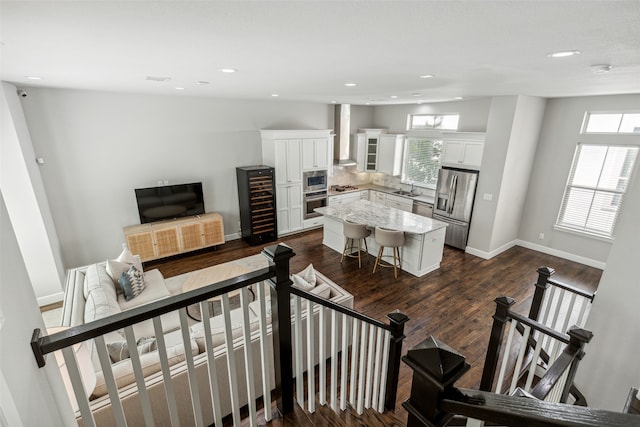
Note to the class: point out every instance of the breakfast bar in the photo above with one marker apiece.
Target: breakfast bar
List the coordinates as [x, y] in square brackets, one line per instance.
[424, 237]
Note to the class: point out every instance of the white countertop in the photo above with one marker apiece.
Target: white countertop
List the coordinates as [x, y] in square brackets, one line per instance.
[374, 215]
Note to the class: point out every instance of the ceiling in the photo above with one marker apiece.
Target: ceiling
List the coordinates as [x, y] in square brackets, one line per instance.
[308, 50]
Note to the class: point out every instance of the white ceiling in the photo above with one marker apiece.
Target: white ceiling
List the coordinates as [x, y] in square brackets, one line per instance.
[307, 50]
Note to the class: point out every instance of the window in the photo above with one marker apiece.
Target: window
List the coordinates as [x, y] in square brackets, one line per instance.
[433, 121]
[421, 161]
[612, 123]
[595, 188]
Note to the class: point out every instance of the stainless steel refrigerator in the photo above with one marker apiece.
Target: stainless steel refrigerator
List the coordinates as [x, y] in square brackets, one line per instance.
[455, 192]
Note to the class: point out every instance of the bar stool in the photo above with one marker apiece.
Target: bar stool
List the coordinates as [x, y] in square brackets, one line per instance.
[386, 238]
[353, 231]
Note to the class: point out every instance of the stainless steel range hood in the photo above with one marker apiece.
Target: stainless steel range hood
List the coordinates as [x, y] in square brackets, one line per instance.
[341, 147]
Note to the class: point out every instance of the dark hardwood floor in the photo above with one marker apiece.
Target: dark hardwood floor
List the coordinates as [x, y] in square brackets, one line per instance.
[454, 303]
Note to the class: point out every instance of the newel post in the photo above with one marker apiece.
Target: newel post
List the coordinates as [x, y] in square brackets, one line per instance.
[544, 273]
[578, 338]
[280, 255]
[436, 367]
[500, 319]
[396, 321]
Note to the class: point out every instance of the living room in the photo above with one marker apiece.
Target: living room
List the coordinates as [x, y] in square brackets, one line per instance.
[98, 146]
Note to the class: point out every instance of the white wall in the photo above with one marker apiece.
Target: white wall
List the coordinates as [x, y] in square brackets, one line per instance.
[27, 203]
[99, 146]
[30, 395]
[559, 136]
[517, 170]
[473, 114]
[610, 367]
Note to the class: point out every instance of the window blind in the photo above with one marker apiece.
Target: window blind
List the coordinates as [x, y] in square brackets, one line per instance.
[422, 161]
[596, 186]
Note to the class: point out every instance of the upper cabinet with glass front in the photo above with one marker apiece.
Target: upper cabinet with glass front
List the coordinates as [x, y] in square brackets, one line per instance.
[367, 147]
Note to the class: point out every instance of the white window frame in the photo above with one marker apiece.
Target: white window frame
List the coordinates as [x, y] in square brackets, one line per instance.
[426, 135]
[410, 125]
[587, 117]
[585, 231]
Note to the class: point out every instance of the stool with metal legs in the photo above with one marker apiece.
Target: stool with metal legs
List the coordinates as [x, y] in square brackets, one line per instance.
[353, 233]
[386, 238]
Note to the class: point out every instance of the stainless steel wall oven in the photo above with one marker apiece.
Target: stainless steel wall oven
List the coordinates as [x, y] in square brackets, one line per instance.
[316, 199]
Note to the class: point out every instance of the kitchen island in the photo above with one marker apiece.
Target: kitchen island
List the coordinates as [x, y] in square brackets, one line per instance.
[424, 237]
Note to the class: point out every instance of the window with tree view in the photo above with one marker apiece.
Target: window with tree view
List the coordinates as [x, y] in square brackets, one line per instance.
[422, 161]
[596, 186]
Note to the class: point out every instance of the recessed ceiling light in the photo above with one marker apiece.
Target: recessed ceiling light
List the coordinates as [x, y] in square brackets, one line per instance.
[426, 76]
[201, 83]
[564, 53]
[157, 78]
[333, 102]
[179, 88]
[34, 78]
[600, 68]
[458, 97]
[228, 70]
[416, 94]
[350, 84]
[275, 95]
[393, 96]
[367, 103]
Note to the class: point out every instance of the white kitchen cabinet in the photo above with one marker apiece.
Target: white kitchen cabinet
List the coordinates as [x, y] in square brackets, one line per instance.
[288, 159]
[390, 154]
[462, 149]
[377, 197]
[346, 197]
[398, 202]
[289, 207]
[315, 153]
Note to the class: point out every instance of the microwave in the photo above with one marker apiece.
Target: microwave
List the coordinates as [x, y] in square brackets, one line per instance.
[314, 181]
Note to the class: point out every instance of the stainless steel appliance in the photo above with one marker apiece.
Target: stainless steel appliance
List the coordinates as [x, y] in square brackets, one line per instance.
[316, 199]
[455, 192]
[314, 181]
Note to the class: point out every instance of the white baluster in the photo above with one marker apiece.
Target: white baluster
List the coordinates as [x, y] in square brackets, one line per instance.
[354, 363]
[264, 353]
[505, 358]
[376, 370]
[311, 386]
[363, 354]
[191, 370]
[248, 357]
[138, 375]
[231, 359]
[166, 372]
[78, 388]
[214, 387]
[368, 381]
[343, 365]
[523, 348]
[384, 370]
[322, 339]
[334, 360]
[297, 328]
[110, 381]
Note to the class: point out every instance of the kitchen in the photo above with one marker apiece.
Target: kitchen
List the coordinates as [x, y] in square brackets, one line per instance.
[320, 169]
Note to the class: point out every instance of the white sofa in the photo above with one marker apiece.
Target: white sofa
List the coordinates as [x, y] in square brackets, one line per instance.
[81, 305]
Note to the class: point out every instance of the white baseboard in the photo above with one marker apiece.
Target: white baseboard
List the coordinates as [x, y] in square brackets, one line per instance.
[489, 255]
[538, 248]
[232, 236]
[50, 299]
[562, 254]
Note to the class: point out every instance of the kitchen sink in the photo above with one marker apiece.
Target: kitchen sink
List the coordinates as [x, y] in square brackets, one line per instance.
[404, 193]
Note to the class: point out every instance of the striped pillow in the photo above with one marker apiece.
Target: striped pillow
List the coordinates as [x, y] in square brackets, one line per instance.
[120, 350]
[132, 283]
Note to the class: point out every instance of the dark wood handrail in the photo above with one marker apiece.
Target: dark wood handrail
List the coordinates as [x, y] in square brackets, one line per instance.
[572, 289]
[43, 345]
[434, 399]
[535, 325]
[521, 411]
[339, 308]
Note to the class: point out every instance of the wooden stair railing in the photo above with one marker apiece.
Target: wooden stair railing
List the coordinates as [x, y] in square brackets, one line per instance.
[374, 348]
[434, 399]
[559, 305]
[523, 359]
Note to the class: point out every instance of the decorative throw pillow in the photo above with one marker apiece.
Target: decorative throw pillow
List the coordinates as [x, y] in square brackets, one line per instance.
[132, 283]
[120, 350]
[306, 279]
[115, 267]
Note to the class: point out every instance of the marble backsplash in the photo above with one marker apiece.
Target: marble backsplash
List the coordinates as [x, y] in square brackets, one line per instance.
[348, 175]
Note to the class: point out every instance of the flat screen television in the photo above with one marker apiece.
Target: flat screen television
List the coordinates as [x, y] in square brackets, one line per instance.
[169, 202]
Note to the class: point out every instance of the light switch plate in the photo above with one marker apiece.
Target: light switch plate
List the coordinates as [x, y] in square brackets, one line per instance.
[487, 196]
